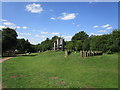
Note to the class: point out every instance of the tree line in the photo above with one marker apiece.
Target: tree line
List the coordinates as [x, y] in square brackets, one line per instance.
[80, 41]
[106, 43]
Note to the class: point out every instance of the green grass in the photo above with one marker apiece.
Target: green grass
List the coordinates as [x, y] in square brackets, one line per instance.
[71, 72]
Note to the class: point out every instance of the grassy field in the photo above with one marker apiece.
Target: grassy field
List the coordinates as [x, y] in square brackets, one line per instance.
[53, 70]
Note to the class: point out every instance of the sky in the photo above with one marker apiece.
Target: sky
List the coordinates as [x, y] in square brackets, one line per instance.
[36, 21]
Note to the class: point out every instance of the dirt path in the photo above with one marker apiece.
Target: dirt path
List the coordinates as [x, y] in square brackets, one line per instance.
[1, 60]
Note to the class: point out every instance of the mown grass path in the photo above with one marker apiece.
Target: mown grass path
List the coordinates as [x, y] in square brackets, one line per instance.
[53, 70]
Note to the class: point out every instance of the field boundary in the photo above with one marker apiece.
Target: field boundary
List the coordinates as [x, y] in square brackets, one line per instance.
[1, 60]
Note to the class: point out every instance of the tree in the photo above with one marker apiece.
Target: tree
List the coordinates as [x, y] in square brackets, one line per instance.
[46, 45]
[114, 41]
[9, 39]
[100, 42]
[95, 43]
[70, 46]
[86, 44]
[1, 36]
[78, 45]
[23, 46]
[54, 38]
[80, 36]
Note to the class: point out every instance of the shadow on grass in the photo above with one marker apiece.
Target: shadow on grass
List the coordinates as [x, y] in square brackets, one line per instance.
[25, 55]
[29, 55]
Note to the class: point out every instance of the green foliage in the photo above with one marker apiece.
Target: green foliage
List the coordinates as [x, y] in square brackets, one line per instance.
[78, 45]
[81, 41]
[115, 41]
[47, 44]
[9, 39]
[86, 44]
[54, 38]
[80, 36]
[23, 46]
[0, 42]
[70, 46]
[109, 52]
[99, 43]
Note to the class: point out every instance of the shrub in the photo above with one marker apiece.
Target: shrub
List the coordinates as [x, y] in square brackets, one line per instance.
[109, 52]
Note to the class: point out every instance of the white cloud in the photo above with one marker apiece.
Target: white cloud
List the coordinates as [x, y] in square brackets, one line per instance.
[37, 35]
[3, 20]
[53, 18]
[95, 34]
[13, 27]
[24, 27]
[73, 23]
[109, 28]
[104, 26]
[95, 26]
[55, 33]
[34, 8]
[41, 36]
[17, 32]
[19, 37]
[8, 23]
[18, 27]
[44, 32]
[78, 25]
[2, 27]
[67, 38]
[93, 1]
[102, 31]
[67, 16]
[25, 33]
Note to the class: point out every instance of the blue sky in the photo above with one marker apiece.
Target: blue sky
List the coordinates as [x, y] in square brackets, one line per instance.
[36, 21]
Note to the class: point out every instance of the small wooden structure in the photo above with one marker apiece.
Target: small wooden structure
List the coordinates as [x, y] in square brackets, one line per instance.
[59, 44]
[90, 53]
[67, 53]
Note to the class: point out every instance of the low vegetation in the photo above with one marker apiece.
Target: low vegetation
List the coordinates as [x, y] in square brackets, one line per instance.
[52, 70]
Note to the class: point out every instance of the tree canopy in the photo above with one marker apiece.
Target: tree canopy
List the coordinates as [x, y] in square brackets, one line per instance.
[9, 39]
[80, 36]
[80, 41]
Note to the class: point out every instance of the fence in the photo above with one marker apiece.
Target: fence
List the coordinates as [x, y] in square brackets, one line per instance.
[90, 53]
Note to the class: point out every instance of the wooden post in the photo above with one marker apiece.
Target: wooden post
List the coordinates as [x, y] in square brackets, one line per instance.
[81, 53]
[88, 53]
[66, 54]
[84, 53]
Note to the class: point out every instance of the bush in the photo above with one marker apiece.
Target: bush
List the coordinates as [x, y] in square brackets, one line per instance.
[109, 52]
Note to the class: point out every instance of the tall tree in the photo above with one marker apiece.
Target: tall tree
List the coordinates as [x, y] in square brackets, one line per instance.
[9, 39]
[86, 44]
[23, 46]
[115, 40]
[70, 46]
[78, 45]
[54, 38]
[80, 36]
